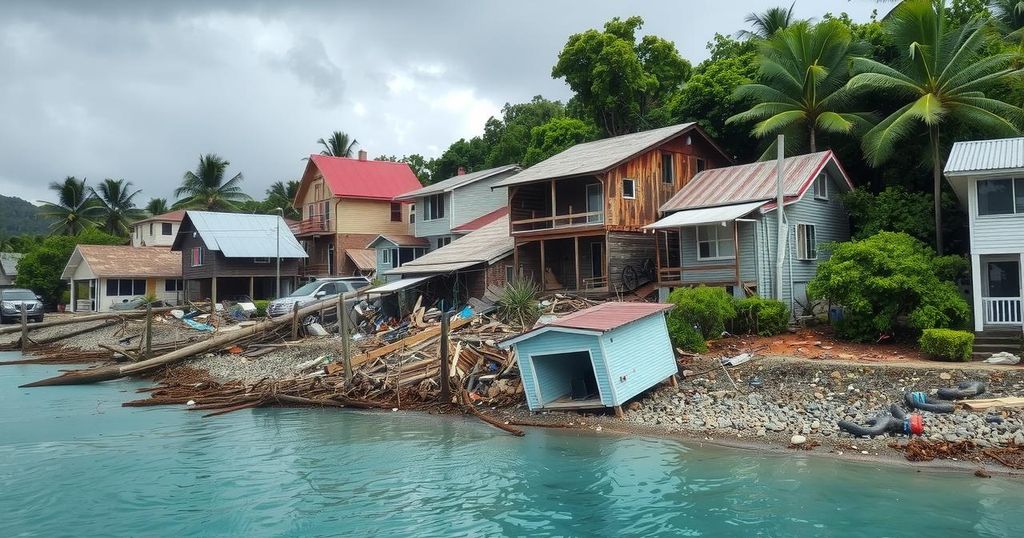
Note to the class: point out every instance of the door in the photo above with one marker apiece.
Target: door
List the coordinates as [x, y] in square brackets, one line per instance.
[330, 258]
[595, 203]
[1003, 279]
[597, 259]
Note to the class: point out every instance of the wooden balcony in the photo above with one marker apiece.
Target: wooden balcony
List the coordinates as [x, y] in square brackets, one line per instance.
[316, 225]
[557, 222]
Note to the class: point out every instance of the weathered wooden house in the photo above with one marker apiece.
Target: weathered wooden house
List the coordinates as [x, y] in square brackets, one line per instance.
[346, 203]
[722, 228]
[577, 218]
[101, 276]
[988, 178]
[443, 209]
[599, 357]
[235, 254]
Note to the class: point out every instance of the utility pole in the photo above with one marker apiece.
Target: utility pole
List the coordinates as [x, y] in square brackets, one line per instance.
[277, 239]
[780, 245]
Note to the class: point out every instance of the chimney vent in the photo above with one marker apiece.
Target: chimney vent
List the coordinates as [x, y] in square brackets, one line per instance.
[462, 171]
[362, 155]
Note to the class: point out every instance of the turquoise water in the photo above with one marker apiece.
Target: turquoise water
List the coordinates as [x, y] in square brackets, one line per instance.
[75, 463]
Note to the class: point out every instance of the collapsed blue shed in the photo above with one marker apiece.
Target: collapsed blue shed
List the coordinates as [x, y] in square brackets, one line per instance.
[594, 358]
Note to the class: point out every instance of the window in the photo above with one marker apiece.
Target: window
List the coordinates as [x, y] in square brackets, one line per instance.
[628, 188]
[172, 285]
[197, 256]
[165, 229]
[261, 260]
[1000, 196]
[435, 207]
[412, 214]
[396, 212]
[125, 287]
[510, 273]
[668, 168]
[151, 228]
[715, 242]
[701, 165]
[821, 187]
[806, 248]
[385, 256]
[442, 241]
[310, 211]
[395, 260]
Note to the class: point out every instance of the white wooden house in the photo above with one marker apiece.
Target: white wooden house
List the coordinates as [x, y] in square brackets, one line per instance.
[988, 178]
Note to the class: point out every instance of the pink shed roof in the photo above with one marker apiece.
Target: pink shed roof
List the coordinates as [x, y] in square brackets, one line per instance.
[754, 182]
[601, 319]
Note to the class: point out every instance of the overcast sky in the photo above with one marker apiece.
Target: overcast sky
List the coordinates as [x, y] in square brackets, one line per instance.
[138, 90]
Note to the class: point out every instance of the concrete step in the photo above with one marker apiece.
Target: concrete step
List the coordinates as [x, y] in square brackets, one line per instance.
[996, 348]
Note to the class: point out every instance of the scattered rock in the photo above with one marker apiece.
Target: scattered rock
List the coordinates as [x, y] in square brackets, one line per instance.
[634, 406]
[945, 376]
[797, 440]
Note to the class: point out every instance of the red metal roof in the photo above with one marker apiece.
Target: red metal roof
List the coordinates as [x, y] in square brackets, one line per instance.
[353, 178]
[752, 182]
[607, 316]
[480, 222]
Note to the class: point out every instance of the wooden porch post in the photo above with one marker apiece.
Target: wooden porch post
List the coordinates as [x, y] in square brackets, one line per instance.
[72, 305]
[213, 294]
[515, 258]
[543, 274]
[252, 287]
[576, 260]
[554, 206]
[736, 247]
[657, 256]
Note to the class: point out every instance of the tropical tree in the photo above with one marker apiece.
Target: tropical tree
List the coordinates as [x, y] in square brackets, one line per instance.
[769, 22]
[281, 194]
[338, 145]
[1009, 14]
[942, 77]
[803, 71]
[116, 206]
[75, 209]
[206, 189]
[157, 206]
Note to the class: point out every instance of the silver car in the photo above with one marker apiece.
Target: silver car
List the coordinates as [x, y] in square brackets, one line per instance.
[316, 290]
[11, 301]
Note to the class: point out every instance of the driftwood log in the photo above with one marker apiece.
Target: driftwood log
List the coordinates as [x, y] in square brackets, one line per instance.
[125, 314]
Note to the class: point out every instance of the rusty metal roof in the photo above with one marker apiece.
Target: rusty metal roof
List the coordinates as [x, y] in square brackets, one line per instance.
[754, 182]
[486, 245]
[365, 259]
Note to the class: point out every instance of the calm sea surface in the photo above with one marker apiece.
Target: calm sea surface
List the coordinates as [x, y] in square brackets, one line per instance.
[73, 462]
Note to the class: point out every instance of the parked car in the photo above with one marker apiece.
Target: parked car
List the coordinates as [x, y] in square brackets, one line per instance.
[137, 303]
[10, 305]
[317, 290]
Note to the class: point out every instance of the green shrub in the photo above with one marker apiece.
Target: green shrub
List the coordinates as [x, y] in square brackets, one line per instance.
[518, 303]
[947, 344]
[701, 310]
[764, 317]
[65, 297]
[261, 307]
[884, 278]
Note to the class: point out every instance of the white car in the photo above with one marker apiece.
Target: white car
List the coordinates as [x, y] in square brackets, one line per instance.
[316, 290]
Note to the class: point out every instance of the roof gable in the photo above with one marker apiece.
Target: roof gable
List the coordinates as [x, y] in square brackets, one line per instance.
[605, 154]
[399, 241]
[354, 178]
[240, 235]
[756, 182]
[455, 182]
[482, 220]
[124, 261]
[170, 216]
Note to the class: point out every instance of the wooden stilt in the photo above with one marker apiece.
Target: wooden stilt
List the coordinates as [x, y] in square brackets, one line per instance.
[673, 380]
[618, 412]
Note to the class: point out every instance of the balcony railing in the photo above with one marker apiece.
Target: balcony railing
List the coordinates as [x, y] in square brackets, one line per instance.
[558, 221]
[312, 225]
[1002, 310]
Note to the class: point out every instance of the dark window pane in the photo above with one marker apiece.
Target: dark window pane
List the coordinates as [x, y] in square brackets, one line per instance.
[705, 249]
[1018, 194]
[995, 197]
[111, 288]
[140, 287]
[165, 228]
[668, 169]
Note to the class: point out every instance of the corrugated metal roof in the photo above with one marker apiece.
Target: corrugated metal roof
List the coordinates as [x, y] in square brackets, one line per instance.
[482, 221]
[986, 155]
[458, 181]
[754, 181]
[400, 240]
[353, 178]
[365, 259]
[597, 156]
[705, 215]
[241, 235]
[9, 263]
[607, 316]
[485, 245]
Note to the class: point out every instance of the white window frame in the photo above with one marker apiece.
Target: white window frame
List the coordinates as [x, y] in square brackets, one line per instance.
[806, 242]
[632, 182]
[510, 273]
[412, 214]
[429, 207]
[385, 256]
[719, 230]
[1013, 197]
[821, 187]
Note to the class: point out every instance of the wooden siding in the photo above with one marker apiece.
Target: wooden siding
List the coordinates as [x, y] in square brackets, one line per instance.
[437, 227]
[356, 216]
[478, 199]
[625, 248]
[639, 356]
[215, 264]
[553, 342]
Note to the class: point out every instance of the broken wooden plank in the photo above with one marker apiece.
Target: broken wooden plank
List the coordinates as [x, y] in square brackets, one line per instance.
[363, 358]
[981, 405]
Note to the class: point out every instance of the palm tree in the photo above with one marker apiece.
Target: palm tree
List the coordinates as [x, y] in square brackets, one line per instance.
[338, 145]
[1008, 14]
[769, 22]
[943, 78]
[282, 194]
[206, 189]
[157, 206]
[117, 206]
[75, 210]
[803, 71]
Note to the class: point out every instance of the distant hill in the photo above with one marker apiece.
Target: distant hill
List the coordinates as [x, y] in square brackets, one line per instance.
[19, 217]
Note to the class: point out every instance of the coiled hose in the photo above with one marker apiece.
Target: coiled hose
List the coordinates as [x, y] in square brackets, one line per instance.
[920, 400]
[966, 389]
[896, 422]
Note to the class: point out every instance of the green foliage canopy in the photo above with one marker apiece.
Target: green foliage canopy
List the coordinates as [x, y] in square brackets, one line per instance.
[41, 267]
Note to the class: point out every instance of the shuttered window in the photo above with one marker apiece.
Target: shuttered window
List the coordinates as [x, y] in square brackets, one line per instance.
[806, 245]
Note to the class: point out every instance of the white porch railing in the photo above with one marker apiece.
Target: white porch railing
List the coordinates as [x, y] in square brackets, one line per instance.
[1002, 310]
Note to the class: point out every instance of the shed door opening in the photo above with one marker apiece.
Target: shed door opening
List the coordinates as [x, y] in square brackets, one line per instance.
[566, 378]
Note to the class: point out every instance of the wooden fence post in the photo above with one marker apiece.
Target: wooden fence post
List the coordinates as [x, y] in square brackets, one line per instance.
[24, 327]
[295, 321]
[149, 331]
[446, 390]
[346, 355]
